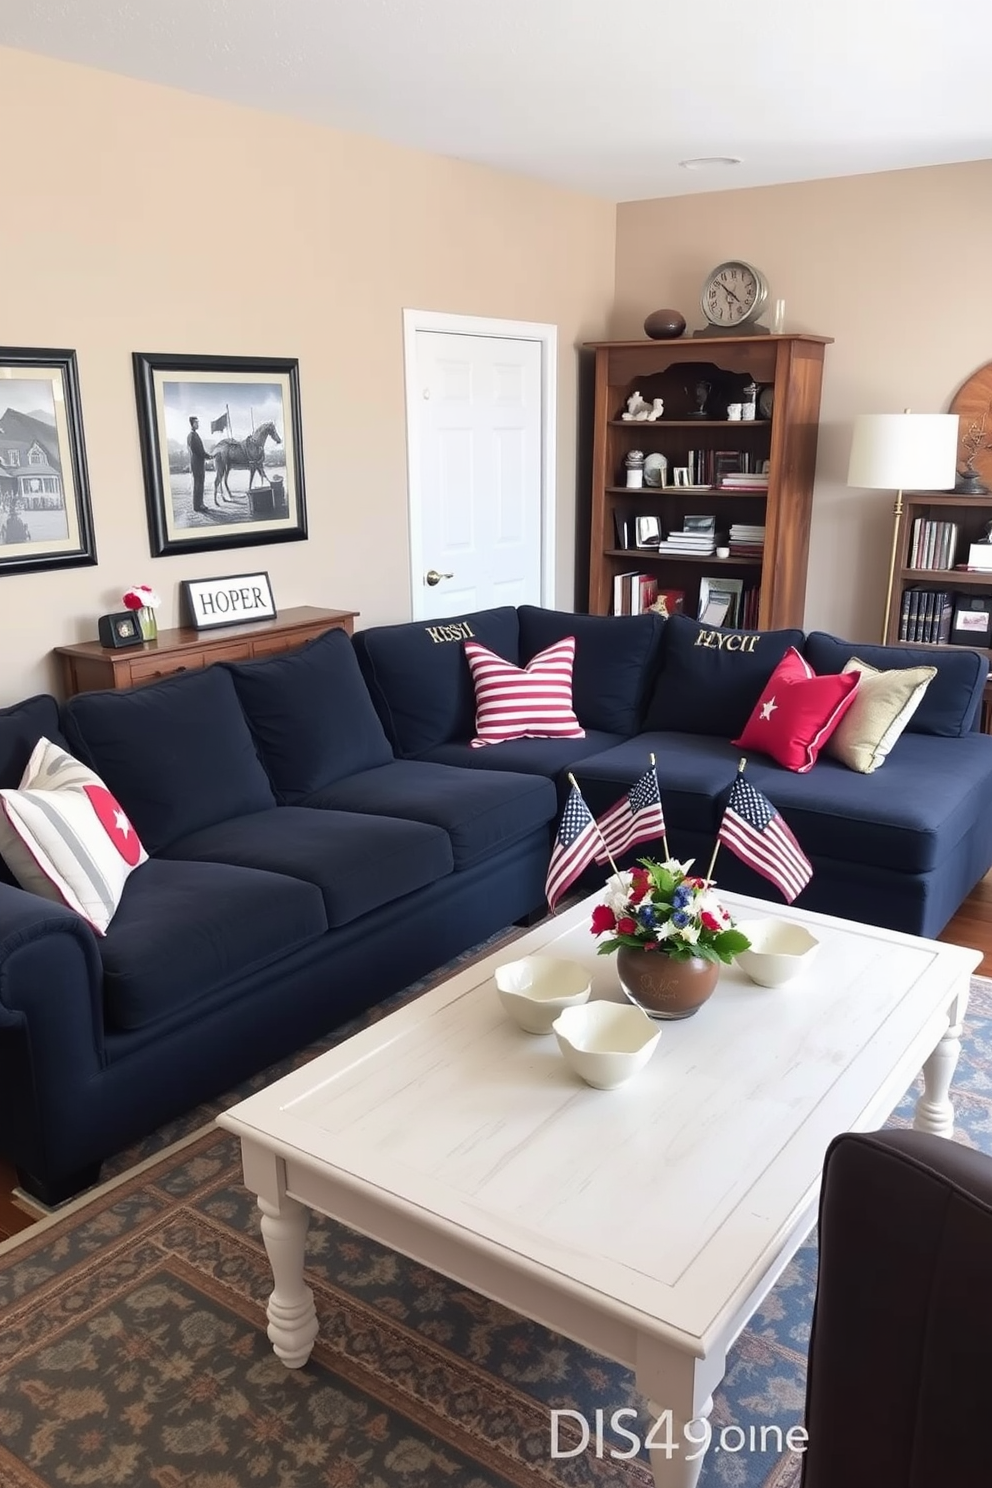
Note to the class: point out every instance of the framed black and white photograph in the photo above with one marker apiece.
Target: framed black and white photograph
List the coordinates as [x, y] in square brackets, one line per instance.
[232, 600]
[45, 515]
[222, 450]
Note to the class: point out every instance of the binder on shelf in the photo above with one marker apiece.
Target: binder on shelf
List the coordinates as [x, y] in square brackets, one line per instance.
[972, 621]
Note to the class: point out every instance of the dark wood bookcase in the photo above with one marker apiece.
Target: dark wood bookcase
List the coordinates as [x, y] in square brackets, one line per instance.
[972, 514]
[791, 367]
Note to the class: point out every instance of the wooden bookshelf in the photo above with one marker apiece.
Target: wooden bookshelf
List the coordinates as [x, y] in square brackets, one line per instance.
[790, 369]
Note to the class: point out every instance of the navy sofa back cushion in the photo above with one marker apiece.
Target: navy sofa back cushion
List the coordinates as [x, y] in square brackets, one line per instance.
[951, 701]
[21, 726]
[419, 679]
[615, 661]
[177, 754]
[710, 679]
[312, 716]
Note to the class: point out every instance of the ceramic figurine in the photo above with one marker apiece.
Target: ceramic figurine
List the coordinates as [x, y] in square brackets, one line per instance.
[657, 409]
[638, 409]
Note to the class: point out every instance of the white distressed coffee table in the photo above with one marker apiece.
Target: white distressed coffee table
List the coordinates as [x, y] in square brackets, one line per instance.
[647, 1222]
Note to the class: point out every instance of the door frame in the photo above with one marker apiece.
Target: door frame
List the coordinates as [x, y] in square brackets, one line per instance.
[513, 330]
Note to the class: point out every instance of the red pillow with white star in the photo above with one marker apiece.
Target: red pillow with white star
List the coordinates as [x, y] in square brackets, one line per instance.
[797, 712]
[65, 837]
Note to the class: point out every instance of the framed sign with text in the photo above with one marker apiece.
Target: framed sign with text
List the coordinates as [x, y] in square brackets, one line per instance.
[233, 600]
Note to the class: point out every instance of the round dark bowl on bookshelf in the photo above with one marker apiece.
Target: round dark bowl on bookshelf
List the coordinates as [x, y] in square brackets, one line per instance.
[664, 325]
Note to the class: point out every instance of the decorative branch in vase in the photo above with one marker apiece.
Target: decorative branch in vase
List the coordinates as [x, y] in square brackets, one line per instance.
[969, 482]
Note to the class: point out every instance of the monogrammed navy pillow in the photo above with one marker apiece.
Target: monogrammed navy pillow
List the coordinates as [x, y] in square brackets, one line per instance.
[710, 678]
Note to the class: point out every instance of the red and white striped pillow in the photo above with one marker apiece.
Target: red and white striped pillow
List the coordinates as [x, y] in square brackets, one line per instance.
[533, 702]
[65, 837]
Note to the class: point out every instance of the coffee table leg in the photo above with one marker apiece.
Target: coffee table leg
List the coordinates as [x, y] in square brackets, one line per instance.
[675, 1442]
[934, 1111]
[291, 1313]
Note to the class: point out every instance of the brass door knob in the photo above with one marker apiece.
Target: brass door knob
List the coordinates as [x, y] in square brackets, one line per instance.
[433, 577]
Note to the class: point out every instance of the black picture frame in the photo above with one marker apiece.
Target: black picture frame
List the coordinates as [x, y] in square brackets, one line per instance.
[230, 394]
[46, 520]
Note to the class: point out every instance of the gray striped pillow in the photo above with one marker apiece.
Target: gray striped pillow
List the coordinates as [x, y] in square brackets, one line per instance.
[65, 837]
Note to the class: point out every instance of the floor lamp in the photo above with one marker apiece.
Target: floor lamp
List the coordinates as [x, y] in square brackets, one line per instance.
[903, 451]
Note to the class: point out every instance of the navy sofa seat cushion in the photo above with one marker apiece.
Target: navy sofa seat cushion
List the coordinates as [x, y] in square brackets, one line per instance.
[359, 863]
[710, 678]
[21, 726]
[419, 679]
[177, 754]
[952, 699]
[186, 930]
[311, 715]
[693, 771]
[548, 757]
[616, 657]
[908, 816]
[482, 811]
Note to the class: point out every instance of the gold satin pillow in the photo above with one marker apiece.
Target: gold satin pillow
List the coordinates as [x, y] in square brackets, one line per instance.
[883, 705]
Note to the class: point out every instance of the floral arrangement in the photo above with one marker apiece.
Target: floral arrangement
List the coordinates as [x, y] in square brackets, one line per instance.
[140, 597]
[661, 907]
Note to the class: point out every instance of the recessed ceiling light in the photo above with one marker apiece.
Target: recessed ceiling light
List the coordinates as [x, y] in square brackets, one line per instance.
[703, 162]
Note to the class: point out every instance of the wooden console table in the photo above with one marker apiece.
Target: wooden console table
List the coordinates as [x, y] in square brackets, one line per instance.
[90, 667]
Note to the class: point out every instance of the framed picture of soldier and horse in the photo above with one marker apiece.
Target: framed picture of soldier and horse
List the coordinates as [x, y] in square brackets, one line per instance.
[222, 451]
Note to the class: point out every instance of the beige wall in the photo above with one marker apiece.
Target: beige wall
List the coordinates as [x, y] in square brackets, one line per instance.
[139, 218]
[895, 267]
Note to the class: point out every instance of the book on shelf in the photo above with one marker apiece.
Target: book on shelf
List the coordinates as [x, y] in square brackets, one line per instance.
[926, 617]
[687, 545]
[633, 592]
[932, 544]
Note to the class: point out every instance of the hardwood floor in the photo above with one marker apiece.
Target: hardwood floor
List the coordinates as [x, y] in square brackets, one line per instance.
[971, 926]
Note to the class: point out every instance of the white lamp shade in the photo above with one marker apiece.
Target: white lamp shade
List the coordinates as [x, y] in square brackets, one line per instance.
[900, 451]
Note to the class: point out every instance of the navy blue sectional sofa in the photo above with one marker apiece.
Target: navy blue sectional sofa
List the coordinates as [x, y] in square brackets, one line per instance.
[321, 833]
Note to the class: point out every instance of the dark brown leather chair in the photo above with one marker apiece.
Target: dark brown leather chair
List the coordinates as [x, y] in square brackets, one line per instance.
[899, 1392]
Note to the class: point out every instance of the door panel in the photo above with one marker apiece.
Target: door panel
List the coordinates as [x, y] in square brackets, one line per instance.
[480, 521]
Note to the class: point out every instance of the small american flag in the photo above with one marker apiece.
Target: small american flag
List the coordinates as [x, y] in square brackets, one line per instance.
[575, 848]
[636, 817]
[753, 829]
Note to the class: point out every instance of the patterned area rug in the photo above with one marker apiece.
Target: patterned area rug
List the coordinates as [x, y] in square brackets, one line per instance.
[133, 1351]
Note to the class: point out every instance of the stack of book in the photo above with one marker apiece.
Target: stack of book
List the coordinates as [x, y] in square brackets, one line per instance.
[933, 544]
[633, 593]
[702, 544]
[746, 540]
[926, 617]
[733, 480]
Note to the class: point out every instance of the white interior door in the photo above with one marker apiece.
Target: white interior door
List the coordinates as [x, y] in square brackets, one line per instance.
[477, 471]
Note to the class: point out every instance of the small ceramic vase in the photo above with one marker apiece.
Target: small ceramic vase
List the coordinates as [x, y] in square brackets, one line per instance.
[665, 986]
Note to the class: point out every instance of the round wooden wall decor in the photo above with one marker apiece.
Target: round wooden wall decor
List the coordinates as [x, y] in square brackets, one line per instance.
[973, 402]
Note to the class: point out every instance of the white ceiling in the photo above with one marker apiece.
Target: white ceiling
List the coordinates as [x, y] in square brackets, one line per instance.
[605, 96]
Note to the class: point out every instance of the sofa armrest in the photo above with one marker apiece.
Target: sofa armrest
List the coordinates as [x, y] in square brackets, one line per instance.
[28, 924]
[51, 1019]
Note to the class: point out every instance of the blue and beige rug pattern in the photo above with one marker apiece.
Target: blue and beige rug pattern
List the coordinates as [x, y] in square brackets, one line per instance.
[133, 1351]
